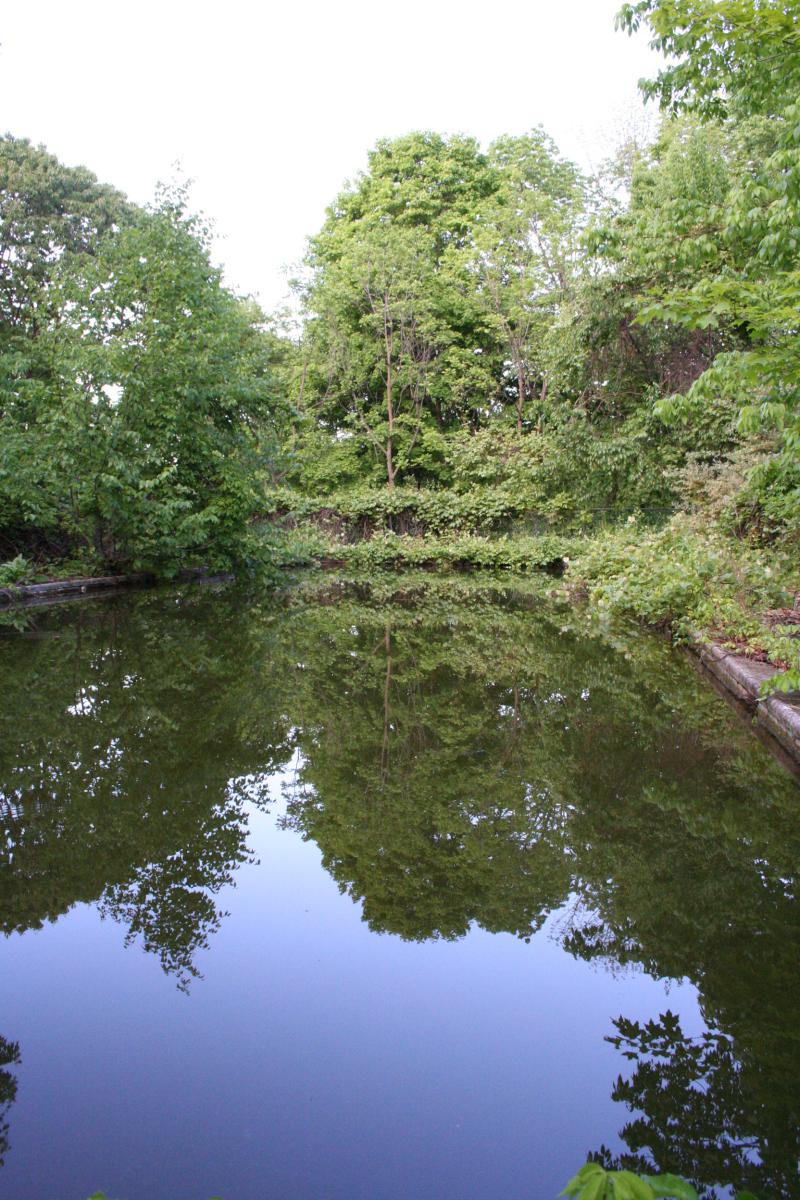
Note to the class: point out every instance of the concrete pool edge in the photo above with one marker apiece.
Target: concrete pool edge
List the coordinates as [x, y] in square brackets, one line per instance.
[778, 714]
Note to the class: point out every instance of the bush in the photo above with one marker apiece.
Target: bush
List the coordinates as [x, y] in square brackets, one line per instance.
[500, 554]
[696, 582]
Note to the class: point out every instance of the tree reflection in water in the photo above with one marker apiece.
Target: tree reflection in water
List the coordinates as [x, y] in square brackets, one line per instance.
[9, 1056]
[710, 1107]
[468, 753]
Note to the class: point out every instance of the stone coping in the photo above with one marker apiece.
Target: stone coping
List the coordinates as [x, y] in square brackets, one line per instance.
[22, 593]
[779, 714]
[33, 593]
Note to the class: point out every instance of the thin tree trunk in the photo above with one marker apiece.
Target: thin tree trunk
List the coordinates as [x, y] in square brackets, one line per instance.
[390, 471]
[520, 394]
[388, 341]
[542, 398]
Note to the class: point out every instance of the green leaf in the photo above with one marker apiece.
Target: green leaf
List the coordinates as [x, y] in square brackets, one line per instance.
[631, 1187]
[671, 1186]
[591, 1170]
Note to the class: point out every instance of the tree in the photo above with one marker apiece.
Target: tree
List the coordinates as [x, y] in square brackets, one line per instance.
[739, 60]
[728, 55]
[177, 372]
[396, 349]
[523, 252]
[137, 408]
[147, 443]
[51, 218]
[381, 363]
[47, 211]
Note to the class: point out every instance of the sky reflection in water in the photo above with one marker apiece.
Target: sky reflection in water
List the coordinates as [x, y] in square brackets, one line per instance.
[494, 784]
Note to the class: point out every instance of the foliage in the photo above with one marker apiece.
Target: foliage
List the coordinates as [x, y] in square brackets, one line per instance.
[569, 477]
[14, 571]
[784, 681]
[694, 581]
[135, 403]
[728, 53]
[363, 512]
[551, 337]
[502, 342]
[594, 1183]
[510, 554]
[740, 60]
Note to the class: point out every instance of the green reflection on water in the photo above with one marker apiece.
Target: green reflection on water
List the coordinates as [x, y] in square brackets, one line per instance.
[465, 753]
[9, 1056]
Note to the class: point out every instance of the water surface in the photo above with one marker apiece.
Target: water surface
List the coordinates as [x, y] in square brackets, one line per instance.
[424, 888]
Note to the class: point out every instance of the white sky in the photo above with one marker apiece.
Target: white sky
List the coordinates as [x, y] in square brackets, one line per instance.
[271, 107]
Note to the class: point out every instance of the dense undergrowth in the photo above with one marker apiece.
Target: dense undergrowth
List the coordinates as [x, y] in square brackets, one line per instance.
[702, 586]
[694, 573]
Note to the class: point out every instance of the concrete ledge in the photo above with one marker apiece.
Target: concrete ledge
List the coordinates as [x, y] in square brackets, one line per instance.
[57, 589]
[742, 677]
[781, 716]
[65, 587]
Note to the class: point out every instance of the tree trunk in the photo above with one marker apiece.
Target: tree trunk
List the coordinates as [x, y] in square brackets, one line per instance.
[542, 398]
[520, 394]
[389, 344]
[390, 469]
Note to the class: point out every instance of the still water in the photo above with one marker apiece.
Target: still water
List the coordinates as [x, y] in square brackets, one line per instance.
[421, 889]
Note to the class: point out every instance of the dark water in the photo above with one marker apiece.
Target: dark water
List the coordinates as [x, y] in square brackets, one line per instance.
[423, 890]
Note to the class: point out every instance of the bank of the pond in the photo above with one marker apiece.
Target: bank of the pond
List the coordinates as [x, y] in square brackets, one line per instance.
[56, 588]
[744, 678]
[59, 589]
[735, 605]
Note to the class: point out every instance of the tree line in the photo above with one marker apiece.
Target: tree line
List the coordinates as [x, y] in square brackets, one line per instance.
[638, 328]
[483, 321]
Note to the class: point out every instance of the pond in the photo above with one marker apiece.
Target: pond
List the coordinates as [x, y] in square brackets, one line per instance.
[423, 888]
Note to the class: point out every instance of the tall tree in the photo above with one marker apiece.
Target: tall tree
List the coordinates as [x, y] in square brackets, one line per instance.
[137, 399]
[378, 365]
[395, 346]
[523, 253]
[165, 378]
[47, 211]
[51, 217]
